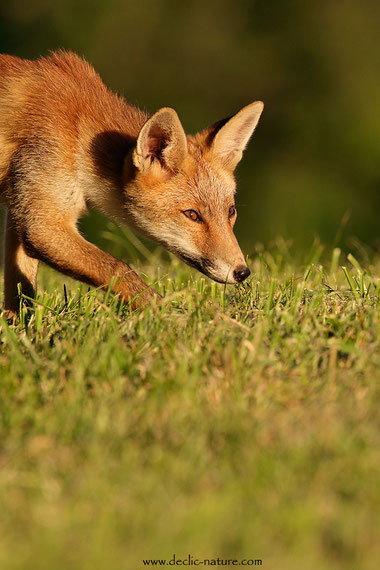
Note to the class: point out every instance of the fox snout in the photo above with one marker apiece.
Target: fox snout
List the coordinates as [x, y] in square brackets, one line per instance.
[230, 274]
[220, 271]
[227, 264]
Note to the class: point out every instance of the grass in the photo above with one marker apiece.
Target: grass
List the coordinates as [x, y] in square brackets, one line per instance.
[228, 422]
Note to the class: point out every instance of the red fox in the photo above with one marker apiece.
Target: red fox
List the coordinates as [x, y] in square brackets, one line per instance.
[67, 142]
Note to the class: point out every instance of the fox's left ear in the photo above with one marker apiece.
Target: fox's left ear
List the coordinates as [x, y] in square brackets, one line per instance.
[228, 138]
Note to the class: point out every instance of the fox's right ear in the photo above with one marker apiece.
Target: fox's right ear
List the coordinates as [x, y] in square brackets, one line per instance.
[161, 140]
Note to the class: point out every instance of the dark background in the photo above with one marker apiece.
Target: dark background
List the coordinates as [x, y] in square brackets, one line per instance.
[315, 157]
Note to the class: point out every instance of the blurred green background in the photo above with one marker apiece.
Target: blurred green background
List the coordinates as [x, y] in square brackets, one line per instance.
[315, 157]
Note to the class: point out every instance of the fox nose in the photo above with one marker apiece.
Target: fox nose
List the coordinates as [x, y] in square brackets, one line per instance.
[241, 273]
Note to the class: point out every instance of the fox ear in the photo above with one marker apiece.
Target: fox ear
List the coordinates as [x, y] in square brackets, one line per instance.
[228, 138]
[161, 139]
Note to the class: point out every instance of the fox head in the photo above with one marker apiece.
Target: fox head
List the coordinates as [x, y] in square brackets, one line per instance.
[182, 190]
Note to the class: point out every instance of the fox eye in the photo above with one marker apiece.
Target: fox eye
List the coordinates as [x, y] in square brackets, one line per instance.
[231, 212]
[193, 215]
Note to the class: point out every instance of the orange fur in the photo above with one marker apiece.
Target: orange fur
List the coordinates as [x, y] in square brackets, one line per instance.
[67, 142]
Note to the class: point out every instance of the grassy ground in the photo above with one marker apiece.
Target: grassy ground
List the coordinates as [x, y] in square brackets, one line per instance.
[245, 425]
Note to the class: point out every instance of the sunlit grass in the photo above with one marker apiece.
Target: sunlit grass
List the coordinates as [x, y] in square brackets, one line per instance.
[227, 421]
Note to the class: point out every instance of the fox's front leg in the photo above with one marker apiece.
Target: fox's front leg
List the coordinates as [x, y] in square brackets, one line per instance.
[19, 267]
[59, 244]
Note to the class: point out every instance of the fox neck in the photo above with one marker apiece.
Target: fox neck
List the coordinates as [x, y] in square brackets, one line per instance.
[109, 169]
